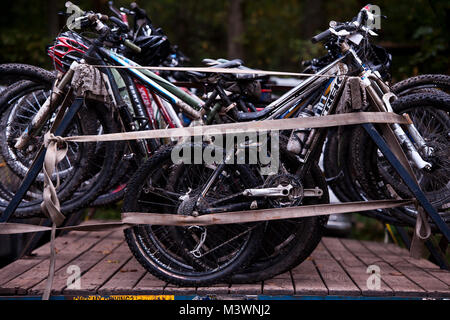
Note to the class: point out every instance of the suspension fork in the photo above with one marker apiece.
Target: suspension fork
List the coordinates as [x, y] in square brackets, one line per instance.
[412, 130]
[167, 111]
[137, 105]
[404, 139]
[383, 104]
[145, 96]
[46, 110]
[136, 118]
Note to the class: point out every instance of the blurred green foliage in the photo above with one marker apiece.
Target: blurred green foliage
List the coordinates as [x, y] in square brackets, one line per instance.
[366, 228]
[416, 32]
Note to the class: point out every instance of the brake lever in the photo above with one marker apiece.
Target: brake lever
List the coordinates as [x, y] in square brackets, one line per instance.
[114, 9]
[340, 33]
[126, 11]
[370, 31]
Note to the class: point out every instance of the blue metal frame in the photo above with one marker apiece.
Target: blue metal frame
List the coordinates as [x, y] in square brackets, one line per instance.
[409, 181]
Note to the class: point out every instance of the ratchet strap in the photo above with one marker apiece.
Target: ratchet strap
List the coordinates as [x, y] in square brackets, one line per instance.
[422, 230]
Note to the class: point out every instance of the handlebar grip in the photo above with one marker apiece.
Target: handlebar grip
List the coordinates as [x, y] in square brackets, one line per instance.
[321, 36]
[132, 46]
[97, 16]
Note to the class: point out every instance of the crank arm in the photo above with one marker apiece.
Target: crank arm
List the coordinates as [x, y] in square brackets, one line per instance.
[255, 204]
[281, 191]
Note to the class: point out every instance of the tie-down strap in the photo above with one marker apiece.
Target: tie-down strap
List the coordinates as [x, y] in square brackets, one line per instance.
[130, 219]
[334, 120]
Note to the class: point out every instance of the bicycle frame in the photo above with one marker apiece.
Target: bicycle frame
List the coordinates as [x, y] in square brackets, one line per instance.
[192, 104]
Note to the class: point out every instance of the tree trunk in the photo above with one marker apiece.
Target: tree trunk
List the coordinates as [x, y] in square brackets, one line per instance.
[235, 30]
[52, 18]
[313, 18]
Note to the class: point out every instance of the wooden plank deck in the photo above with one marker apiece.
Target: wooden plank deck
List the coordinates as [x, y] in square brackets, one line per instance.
[338, 267]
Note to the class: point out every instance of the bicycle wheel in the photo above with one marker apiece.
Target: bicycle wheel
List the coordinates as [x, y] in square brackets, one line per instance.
[339, 172]
[429, 113]
[418, 83]
[102, 165]
[11, 73]
[189, 256]
[25, 102]
[17, 106]
[84, 161]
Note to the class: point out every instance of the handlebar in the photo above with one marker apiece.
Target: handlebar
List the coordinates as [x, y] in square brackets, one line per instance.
[349, 26]
[321, 36]
[122, 25]
[96, 20]
[95, 17]
[114, 9]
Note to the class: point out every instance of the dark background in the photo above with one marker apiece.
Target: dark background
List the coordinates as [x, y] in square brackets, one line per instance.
[268, 34]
